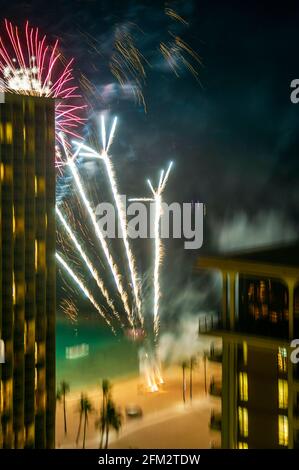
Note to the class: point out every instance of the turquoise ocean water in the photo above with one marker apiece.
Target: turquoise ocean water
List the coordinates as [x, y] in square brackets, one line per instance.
[109, 356]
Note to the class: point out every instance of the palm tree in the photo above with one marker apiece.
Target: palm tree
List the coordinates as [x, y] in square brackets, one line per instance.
[113, 419]
[60, 396]
[87, 409]
[81, 410]
[106, 390]
[192, 363]
[184, 365]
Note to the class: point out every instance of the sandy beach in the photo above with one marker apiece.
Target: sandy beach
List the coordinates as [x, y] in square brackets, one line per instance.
[166, 422]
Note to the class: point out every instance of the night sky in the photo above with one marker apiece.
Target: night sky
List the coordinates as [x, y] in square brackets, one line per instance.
[233, 137]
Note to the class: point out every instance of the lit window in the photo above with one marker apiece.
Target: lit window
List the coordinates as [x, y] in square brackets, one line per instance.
[282, 393]
[13, 289]
[2, 171]
[40, 254]
[8, 132]
[243, 421]
[1, 397]
[283, 430]
[13, 220]
[282, 359]
[25, 337]
[7, 173]
[35, 255]
[242, 445]
[40, 185]
[273, 316]
[243, 386]
[245, 353]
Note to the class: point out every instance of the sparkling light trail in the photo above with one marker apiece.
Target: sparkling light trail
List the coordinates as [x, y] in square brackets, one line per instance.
[157, 199]
[113, 267]
[89, 152]
[88, 263]
[83, 288]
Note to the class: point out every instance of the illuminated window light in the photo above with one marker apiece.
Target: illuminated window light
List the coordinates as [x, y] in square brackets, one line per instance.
[243, 386]
[2, 171]
[245, 353]
[283, 430]
[282, 359]
[13, 220]
[242, 445]
[13, 289]
[243, 421]
[282, 393]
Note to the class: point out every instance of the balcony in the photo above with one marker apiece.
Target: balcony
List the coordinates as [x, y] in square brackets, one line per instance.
[215, 421]
[209, 323]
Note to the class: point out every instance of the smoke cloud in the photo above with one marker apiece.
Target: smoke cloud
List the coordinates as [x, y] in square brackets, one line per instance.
[265, 228]
[175, 347]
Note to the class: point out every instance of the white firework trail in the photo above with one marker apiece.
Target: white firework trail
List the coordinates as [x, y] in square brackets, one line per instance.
[83, 288]
[90, 153]
[157, 199]
[88, 263]
[113, 267]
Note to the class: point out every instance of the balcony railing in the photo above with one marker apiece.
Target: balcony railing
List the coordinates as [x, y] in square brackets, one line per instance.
[209, 323]
[215, 354]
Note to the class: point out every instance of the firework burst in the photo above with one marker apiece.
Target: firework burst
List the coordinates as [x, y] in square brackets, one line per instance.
[30, 65]
[157, 199]
[71, 158]
[88, 152]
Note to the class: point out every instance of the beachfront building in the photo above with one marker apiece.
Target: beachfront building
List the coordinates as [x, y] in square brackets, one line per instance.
[27, 272]
[259, 318]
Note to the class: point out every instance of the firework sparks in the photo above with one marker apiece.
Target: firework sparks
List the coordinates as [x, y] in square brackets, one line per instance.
[88, 263]
[70, 310]
[113, 267]
[28, 65]
[127, 63]
[175, 16]
[157, 199]
[83, 288]
[89, 152]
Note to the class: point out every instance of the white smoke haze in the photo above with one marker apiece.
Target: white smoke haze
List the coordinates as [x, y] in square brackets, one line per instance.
[265, 228]
[175, 347]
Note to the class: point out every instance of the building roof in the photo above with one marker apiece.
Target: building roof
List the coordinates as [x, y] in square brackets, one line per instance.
[286, 254]
[278, 260]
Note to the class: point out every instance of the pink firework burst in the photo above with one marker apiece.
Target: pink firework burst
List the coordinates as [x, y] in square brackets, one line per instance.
[31, 66]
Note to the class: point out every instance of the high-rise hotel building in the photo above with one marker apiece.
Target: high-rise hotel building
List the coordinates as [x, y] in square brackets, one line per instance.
[27, 271]
[259, 320]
